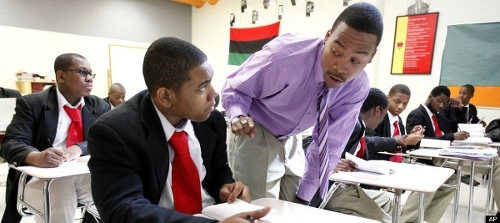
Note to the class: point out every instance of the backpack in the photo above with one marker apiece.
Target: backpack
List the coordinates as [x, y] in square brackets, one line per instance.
[493, 130]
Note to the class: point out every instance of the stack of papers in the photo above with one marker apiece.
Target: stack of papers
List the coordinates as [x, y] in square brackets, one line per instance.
[435, 143]
[474, 153]
[476, 133]
[369, 166]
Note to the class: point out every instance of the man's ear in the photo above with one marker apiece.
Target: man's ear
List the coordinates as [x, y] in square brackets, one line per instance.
[327, 36]
[373, 55]
[60, 76]
[165, 97]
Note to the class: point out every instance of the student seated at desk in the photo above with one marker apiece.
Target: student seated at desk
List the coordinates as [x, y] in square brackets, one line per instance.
[48, 128]
[352, 199]
[116, 95]
[390, 133]
[9, 93]
[437, 127]
[161, 155]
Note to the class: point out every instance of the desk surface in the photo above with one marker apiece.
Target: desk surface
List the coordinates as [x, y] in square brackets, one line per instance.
[293, 212]
[434, 153]
[419, 178]
[71, 168]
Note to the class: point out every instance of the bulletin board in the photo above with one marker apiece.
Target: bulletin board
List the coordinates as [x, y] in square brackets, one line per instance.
[125, 64]
[414, 44]
[471, 55]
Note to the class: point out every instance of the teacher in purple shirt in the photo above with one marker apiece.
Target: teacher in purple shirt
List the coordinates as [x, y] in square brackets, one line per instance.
[279, 92]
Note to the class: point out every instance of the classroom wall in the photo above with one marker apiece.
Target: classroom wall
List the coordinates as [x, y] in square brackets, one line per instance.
[34, 32]
[210, 32]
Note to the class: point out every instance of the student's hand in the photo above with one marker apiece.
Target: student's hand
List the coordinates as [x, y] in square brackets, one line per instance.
[413, 139]
[417, 129]
[72, 152]
[246, 217]
[50, 157]
[243, 126]
[461, 135]
[482, 122]
[345, 165]
[456, 103]
[229, 192]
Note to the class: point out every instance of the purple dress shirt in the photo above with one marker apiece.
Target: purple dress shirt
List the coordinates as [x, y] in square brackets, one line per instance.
[278, 87]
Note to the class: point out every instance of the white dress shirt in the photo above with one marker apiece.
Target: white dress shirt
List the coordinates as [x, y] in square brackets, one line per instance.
[63, 121]
[167, 197]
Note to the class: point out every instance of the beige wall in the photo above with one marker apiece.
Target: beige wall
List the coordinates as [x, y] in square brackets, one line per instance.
[210, 32]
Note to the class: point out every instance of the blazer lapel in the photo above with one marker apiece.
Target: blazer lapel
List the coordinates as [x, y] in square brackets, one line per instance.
[156, 141]
[51, 116]
[206, 138]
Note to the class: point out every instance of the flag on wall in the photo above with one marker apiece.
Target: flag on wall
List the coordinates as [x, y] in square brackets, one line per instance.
[246, 41]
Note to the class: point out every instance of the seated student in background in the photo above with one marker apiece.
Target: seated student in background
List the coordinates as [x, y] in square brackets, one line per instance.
[48, 128]
[461, 111]
[9, 93]
[352, 199]
[437, 127]
[116, 95]
[161, 156]
[390, 133]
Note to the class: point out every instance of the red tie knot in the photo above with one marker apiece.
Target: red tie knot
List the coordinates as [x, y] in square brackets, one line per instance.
[179, 143]
[74, 113]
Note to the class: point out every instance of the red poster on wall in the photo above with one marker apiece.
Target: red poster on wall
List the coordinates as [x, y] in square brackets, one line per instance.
[414, 44]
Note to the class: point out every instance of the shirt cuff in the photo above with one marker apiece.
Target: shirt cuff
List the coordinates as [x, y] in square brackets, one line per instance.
[306, 191]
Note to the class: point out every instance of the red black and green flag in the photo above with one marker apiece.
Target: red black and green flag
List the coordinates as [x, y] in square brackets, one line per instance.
[246, 41]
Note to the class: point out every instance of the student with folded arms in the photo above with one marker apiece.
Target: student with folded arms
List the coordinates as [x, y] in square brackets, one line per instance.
[161, 155]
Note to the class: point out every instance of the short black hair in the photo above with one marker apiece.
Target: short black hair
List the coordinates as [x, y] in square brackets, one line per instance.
[64, 61]
[440, 90]
[116, 87]
[470, 87]
[363, 17]
[375, 98]
[400, 88]
[168, 61]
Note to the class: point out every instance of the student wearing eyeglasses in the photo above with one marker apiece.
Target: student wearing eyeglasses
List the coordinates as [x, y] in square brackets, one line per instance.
[49, 128]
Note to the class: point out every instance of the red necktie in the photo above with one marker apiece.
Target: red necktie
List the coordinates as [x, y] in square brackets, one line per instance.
[361, 151]
[75, 129]
[396, 158]
[185, 179]
[437, 130]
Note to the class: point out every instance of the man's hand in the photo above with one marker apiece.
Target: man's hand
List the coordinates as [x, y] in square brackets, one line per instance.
[50, 157]
[345, 165]
[229, 192]
[461, 135]
[243, 126]
[72, 152]
[246, 217]
[417, 129]
[456, 103]
[412, 139]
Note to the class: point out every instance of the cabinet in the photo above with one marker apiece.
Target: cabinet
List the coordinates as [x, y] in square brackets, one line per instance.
[28, 87]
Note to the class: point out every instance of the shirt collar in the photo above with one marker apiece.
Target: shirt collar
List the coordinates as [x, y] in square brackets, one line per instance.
[61, 101]
[318, 68]
[392, 118]
[429, 113]
[169, 129]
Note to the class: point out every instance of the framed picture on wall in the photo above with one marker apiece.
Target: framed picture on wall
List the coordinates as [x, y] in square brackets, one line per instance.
[414, 40]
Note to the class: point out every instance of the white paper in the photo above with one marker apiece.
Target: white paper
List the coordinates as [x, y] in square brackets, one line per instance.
[225, 210]
[435, 143]
[368, 166]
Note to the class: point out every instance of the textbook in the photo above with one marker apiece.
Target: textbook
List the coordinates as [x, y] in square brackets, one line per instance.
[368, 166]
[222, 211]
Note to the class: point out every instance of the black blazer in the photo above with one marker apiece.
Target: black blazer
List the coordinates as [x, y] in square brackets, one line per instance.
[33, 128]
[352, 143]
[419, 117]
[456, 116]
[9, 93]
[129, 162]
[381, 139]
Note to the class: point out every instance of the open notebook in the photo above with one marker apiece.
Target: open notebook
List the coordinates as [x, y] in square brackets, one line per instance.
[222, 211]
[368, 166]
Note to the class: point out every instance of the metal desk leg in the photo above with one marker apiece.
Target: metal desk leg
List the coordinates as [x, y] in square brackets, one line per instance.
[46, 198]
[471, 191]
[489, 182]
[457, 191]
[396, 204]
[421, 209]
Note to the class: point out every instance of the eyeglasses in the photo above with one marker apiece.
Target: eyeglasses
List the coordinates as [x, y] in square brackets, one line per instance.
[83, 73]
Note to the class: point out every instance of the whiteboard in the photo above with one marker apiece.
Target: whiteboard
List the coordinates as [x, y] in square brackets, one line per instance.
[125, 64]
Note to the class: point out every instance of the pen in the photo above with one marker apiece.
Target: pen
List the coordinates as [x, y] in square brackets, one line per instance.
[50, 142]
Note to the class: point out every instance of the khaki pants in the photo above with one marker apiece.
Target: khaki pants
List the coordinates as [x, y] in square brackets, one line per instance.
[354, 200]
[269, 167]
[65, 194]
[435, 203]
